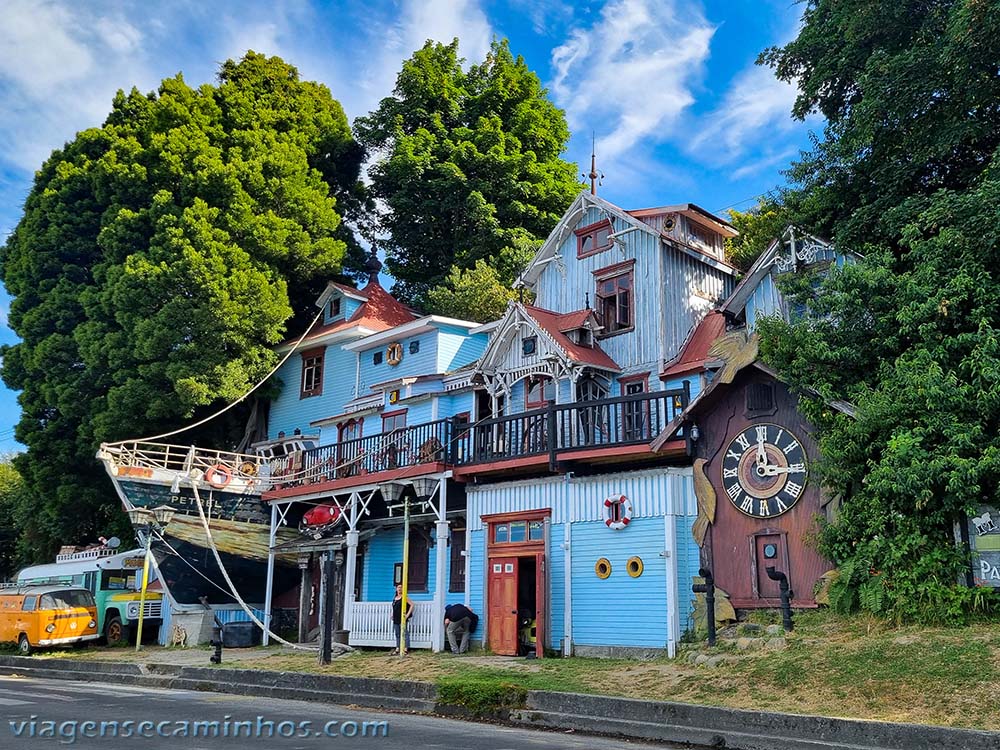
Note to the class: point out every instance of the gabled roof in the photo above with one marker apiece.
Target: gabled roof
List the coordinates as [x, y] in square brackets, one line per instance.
[761, 268]
[693, 211]
[556, 325]
[551, 328]
[378, 312]
[344, 289]
[694, 354]
[566, 226]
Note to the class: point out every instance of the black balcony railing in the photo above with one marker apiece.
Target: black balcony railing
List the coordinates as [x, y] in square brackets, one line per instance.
[550, 431]
[409, 446]
[562, 428]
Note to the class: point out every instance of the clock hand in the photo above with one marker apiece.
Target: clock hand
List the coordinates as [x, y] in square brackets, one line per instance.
[773, 471]
[761, 453]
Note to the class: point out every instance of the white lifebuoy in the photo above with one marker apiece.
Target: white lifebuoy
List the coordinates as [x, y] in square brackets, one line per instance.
[626, 512]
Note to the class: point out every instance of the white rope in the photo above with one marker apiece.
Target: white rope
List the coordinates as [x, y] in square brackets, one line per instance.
[224, 409]
[232, 587]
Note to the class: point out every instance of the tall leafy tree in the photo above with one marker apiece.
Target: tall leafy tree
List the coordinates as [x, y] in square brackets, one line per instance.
[157, 262]
[908, 173]
[757, 229]
[468, 166]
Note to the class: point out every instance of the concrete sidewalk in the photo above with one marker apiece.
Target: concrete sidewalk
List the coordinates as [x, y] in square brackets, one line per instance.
[699, 726]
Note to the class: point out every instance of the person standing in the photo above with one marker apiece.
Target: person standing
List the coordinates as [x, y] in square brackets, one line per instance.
[458, 620]
[397, 618]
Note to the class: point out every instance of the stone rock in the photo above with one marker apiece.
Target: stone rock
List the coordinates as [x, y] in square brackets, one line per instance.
[750, 628]
[774, 630]
[744, 644]
[715, 661]
[701, 659]
[776, 644]
[692, 656]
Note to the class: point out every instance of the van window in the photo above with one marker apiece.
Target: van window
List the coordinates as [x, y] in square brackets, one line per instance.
[67, 600]
[29, 603]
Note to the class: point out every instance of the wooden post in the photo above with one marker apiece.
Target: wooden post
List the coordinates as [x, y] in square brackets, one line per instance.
[305, 597]
[325, 611]
[406, 577]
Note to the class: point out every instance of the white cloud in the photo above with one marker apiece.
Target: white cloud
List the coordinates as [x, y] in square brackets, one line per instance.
[629, 75]
[756, 108]
[547, 16]
[418, 21]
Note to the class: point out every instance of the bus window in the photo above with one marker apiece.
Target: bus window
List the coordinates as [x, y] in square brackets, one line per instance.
[67, 600]
[29, 603]
[114, 580]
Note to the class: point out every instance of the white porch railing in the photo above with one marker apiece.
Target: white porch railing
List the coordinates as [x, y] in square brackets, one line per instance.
[371, 624]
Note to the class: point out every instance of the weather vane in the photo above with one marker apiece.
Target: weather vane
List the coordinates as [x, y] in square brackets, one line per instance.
[596, 178]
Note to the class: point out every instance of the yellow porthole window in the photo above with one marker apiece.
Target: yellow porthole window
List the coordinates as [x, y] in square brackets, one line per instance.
[634, 566]
[603, 568]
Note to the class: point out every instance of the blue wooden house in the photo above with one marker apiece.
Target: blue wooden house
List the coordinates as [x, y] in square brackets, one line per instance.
[560, 441]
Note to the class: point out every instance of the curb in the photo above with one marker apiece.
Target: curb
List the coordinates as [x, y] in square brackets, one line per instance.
[683, 723]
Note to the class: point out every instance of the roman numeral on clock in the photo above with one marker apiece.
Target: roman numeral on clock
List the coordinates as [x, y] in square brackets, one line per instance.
[747, 504]
[742, 440]
[733, 490]
[761, 432]
[730, 473]
[790, 447]
[793, 489]
[765, 510]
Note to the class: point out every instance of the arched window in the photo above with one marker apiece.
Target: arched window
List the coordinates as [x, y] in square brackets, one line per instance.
[593, 428]
[539, 390]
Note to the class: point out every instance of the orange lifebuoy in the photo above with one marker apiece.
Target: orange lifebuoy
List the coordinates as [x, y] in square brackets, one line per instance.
[222, 471]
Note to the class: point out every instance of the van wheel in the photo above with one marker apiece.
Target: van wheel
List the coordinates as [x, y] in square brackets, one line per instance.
[114, 632]
[24, 645]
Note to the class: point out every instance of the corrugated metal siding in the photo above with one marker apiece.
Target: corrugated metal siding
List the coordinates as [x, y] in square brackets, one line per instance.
[688, 563]
[656, 492]
[619, 610]
[557, 587]
[476, 582]
[686, 283]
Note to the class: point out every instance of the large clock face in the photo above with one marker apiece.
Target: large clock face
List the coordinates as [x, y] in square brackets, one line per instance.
[764, 470]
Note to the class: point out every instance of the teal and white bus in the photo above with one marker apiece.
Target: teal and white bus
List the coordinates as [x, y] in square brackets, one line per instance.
[114, 578]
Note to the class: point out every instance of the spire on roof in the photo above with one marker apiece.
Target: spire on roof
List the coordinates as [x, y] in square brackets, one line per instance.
[596, 178]
[373, 266]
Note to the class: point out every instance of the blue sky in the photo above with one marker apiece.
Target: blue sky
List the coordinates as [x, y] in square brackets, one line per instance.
[669, 87]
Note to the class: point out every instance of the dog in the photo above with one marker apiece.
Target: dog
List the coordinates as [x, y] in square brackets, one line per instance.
[178, 636]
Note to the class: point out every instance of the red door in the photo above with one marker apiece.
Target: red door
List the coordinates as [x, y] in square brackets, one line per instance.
[502, 615]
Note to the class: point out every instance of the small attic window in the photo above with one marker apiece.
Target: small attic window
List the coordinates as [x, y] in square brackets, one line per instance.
[414, 346]
[584, 337]
[336, 307]
[529, 345]
[594, 238]
[377, 358]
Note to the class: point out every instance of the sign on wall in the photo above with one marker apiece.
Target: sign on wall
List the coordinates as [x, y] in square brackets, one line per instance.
[984, 541]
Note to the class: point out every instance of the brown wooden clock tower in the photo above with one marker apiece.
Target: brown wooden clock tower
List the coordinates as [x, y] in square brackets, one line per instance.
[758, 500]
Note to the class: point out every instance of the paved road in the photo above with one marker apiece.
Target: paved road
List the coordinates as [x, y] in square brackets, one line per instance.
[52, 713]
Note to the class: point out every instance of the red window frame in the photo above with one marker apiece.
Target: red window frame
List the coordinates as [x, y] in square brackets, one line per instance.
[528, 403]
[391, 415]
[642, 377]
[612, 273]
[344, 427]
[591, 231]
[317, 370]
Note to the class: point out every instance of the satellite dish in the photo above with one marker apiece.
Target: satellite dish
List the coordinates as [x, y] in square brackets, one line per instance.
[113, 543]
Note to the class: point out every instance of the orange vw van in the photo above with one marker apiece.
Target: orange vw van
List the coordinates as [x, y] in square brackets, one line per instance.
[35, 616]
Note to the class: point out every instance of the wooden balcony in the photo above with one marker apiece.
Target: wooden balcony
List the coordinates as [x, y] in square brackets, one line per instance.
[582, 430]
[566, 431]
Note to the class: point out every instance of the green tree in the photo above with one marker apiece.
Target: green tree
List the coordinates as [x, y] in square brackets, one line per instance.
[757, 227]
[476, 293]
[158, 261]
[907, 174]
[468, 166]
[11, 501]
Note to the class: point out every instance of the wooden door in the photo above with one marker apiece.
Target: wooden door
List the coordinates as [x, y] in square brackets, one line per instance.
[541, 602]
[502, 616]
[770, 550]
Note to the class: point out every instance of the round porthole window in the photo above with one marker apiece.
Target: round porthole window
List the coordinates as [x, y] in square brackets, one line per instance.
[770, 551]
[603, 568]
[634, 566]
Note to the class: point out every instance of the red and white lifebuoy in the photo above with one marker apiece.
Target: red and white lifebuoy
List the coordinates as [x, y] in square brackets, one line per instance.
[219, 476]
[623, 518]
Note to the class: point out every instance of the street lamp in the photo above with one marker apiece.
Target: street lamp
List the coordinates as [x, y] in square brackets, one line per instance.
[147, 521]
[391, 493]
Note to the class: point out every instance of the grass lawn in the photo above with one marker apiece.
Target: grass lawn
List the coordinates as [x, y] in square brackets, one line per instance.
[833, 666]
